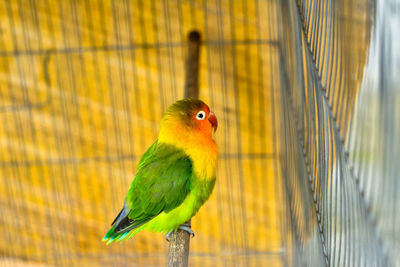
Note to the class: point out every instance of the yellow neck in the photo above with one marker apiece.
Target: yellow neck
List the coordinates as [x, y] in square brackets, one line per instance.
[201, 149]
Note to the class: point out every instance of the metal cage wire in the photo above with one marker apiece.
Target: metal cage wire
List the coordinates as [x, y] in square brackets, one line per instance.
[84, 86]
[306, 94]
[339, 124]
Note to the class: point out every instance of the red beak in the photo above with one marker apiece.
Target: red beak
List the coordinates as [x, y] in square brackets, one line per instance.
[213, 120]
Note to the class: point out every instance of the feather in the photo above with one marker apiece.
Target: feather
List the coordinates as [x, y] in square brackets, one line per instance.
[161, 184]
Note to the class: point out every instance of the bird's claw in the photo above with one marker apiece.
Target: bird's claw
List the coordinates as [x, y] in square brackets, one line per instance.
[168, 236]
[184, 227]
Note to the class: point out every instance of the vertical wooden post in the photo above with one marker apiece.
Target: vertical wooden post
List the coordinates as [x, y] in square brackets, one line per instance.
[178, 254]
[192, 65]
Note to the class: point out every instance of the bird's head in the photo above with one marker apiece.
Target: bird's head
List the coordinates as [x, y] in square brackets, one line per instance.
[189, 117]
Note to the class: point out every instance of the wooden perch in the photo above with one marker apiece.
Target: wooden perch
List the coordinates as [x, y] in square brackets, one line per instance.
[178, 254]
[192, 65]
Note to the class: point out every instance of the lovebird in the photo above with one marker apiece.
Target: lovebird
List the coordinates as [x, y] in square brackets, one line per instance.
[175, 176]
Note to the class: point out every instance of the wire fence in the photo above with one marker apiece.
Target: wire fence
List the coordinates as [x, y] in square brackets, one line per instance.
[307, 98]
[340, 144]
[83, 87]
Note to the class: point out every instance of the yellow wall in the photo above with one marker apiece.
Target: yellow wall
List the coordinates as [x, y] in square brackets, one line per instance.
[83, 85]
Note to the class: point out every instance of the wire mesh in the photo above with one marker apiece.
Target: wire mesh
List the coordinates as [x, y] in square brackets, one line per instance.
[340, 144]
[307, 98]
[83, 88]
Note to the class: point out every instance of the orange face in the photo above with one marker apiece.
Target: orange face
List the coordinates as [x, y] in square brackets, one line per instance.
[185, 120]
[204, 120]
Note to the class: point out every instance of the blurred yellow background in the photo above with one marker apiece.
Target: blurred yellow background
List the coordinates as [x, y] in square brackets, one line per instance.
[83, 85]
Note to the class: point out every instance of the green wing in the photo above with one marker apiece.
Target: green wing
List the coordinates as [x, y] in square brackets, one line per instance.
[161, 184]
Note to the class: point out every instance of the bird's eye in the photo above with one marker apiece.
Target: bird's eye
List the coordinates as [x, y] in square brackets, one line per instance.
[201, 115]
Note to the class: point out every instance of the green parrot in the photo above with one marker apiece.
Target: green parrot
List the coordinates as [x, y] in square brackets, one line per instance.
[175, 176]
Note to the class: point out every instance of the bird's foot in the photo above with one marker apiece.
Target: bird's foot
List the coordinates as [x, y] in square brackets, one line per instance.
[184, 227]
[168, 236]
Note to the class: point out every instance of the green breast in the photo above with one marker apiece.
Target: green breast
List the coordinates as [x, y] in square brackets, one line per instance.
[202, 189]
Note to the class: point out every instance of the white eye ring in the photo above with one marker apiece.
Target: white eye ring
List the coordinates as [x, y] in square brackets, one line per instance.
[201, 115]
